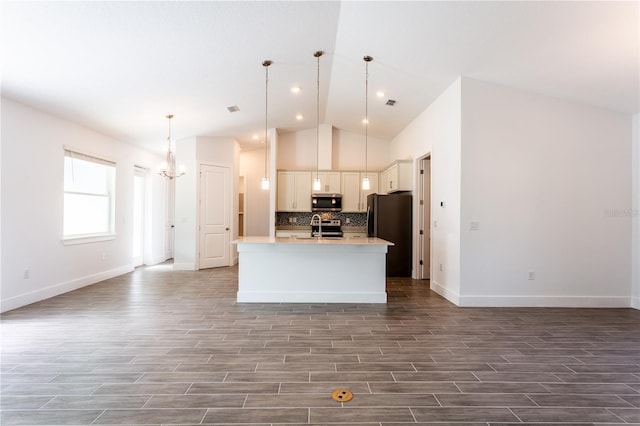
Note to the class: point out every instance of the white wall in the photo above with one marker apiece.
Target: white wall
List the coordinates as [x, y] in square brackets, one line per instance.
[32, 208]
[256, 202]
[221, 151]
[297, 151]
[437, 131]
[349, 151]
[635, 213]
[186, 196]
[549, 182]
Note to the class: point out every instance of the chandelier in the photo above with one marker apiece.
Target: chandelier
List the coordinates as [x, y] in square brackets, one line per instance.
[168, 168]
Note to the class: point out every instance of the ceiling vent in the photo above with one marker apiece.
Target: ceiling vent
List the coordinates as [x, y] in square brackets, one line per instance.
[233, 108]
[391, 102]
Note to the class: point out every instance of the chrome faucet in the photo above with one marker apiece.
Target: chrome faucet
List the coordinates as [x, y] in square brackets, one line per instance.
[319, 225]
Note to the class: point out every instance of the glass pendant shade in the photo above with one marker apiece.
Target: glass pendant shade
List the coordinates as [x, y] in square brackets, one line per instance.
[365, 184]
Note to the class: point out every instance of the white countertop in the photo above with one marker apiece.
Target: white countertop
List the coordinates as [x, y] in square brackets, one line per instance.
[349, 241]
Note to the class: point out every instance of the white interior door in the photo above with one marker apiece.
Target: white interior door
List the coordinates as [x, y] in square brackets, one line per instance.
[215, 216]
[171, 216]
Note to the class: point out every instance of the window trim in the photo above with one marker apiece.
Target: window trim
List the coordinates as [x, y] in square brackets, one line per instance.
[74, 153]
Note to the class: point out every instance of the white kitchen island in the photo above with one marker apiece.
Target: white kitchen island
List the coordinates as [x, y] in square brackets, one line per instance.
[312, 270]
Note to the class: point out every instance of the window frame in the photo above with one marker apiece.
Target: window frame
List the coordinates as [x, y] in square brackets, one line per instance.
[109, 194]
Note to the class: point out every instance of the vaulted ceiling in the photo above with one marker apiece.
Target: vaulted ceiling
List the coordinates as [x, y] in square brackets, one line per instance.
[121, 67]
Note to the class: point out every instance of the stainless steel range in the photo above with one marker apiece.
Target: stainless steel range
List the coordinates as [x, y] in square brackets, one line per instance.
[326, 227]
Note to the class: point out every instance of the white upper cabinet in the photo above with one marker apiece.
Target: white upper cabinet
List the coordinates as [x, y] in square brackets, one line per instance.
[354, 199]
[329, 182]
[396, 177]
[294, 191]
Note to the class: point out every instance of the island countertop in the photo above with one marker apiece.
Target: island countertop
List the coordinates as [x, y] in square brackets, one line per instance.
[341, 241]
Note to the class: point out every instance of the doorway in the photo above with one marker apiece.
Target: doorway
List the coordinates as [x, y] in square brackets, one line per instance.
[215, 216]
[424, 236]
[139, 183]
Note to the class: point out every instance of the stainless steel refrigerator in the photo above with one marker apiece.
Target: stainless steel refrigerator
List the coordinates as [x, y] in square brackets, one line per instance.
[390, 217]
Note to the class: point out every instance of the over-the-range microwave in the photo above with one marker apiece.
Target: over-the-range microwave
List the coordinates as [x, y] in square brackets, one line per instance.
[326, 203]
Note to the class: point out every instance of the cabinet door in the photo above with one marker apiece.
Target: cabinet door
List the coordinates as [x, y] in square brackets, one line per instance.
[383, 182]
[302, 192]
[392, 178]
[351, 192]
[286, 191]
[332, 183]
[329, 182]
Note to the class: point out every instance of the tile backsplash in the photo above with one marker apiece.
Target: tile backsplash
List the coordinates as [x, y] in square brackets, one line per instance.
[304, 219]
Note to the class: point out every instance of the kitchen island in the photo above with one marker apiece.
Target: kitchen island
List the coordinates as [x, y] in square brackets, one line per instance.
[312, 270]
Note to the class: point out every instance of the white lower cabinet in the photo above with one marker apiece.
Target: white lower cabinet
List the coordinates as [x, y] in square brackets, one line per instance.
[347, 234]
[291, 233]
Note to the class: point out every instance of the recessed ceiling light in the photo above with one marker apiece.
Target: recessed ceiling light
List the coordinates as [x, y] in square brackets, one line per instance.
[254, 137]
[380, 94]
[295, 89]
[365, 121]
[299, 117]
[233, 108]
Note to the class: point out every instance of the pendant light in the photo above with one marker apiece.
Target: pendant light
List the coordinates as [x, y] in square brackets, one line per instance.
[168, 168]
[366, 185]
[265, 178]
[317, 185]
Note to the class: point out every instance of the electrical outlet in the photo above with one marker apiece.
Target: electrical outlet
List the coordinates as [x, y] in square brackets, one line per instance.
[27, 274]
[104, 255]
[441, 267]
[475, 226]
[347, 221]
[532, 275]
[295, 220]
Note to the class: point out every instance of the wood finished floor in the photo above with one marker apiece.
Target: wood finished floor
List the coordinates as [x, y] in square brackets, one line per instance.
[161, 347]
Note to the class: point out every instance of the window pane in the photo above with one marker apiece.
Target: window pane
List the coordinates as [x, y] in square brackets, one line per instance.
[86, 176]
[86, 214]
[89, 196]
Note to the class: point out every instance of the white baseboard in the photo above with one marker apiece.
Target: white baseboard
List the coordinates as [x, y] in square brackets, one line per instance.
[57, 289]
[545, 301]
[310, 297]
[156, 261]
[184, 266]
[635, 302]
[451, 296]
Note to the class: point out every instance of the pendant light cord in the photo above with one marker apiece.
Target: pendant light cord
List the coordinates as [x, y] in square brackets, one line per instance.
[367, 59]
[317, 55]
[170, 116]
[266, 110]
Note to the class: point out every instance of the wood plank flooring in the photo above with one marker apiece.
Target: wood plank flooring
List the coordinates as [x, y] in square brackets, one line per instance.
[163, 347]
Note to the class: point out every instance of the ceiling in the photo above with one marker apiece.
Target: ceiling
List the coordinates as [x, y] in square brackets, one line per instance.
[121, 67]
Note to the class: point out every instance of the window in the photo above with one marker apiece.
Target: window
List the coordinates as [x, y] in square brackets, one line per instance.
[89, 198]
